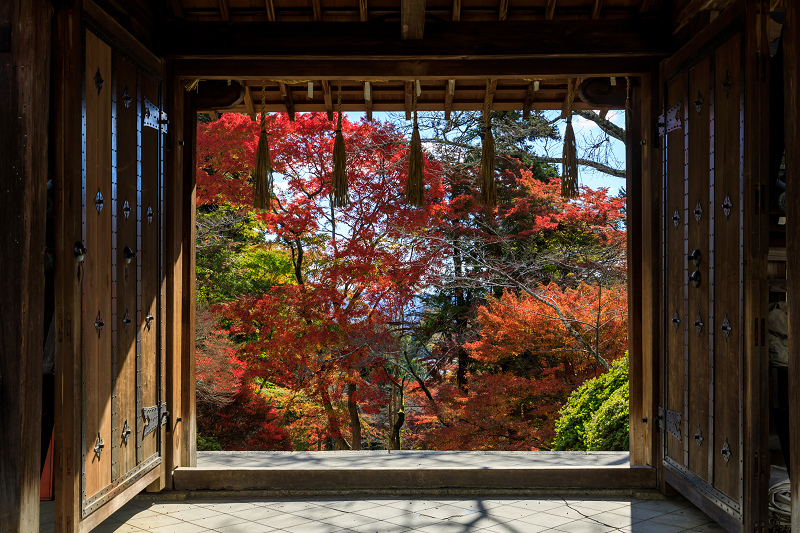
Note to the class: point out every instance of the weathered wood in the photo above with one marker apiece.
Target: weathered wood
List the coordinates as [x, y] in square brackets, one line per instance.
[326, 96]
[188, 423]
[596, 7]
[363, 10]
[67, 176]
[530, 96]
[368, 99]
[412, 19]
[408, 98]
[270, 7]
[174, 270]
[248, 102]
[24, 85]
[422, 69]
[633, 188]
[456, 10]
[503, 11]
[316, 8]
[443, 40]
[791, 98]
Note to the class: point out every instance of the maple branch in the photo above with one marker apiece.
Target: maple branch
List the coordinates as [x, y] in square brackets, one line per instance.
[424, 389]
[604, 124]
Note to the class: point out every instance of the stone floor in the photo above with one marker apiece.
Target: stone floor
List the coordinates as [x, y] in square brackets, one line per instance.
[534, 514]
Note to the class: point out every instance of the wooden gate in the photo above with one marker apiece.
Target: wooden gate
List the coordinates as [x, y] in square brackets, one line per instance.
[124, 413]
[714, 325]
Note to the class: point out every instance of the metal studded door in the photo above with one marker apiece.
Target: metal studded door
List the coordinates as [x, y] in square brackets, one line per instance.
[702, 414]
[122, 282]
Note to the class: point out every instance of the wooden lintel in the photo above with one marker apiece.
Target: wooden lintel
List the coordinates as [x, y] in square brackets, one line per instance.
[363, 10]
[248, 102]
[596, 39]
[449, 92]
[421, 69]
[598, 5]
[270, 7]
[408, 103]
[286, 94]
[225, 10]
[456, 10]
[529, 98]
[503, 13]
[412, 19]
[316, 7]
[326, 96]
[368, 99]
[550, 9]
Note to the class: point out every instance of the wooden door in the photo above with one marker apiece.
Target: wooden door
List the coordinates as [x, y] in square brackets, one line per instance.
[708, 409]
[122, 281]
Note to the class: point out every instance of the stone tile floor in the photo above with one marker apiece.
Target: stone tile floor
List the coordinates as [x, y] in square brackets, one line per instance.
[553, 514]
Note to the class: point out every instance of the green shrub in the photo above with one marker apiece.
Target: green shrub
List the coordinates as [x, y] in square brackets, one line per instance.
[208, 444]
[597, 406]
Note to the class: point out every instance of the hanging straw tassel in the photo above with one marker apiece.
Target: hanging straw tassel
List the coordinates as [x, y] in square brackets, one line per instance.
[340, 197]
[488, 184]
[569, 171]
[262, 175]
[415, 184]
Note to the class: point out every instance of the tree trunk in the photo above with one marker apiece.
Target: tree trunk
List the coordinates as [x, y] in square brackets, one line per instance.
[339, 443]
[355, 420]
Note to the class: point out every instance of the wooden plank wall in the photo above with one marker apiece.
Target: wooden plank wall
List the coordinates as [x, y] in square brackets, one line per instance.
[25, 29]
[791, 58]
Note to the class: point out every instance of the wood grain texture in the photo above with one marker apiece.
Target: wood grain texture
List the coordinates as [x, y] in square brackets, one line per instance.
[127, 158]
[24, 85]
[412, 19]
[698, 317]
[97, 268]
[726, 265]
[67, 177]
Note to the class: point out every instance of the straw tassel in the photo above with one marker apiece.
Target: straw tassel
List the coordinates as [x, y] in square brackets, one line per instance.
[488, 184]
[340, 196]
[415, 183]
[569, 171]
[262, 175]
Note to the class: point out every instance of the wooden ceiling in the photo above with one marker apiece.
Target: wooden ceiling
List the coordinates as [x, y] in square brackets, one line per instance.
[512, 54]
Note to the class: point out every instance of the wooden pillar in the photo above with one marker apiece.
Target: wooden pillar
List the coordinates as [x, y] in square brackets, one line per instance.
[188, 404]
[25, 30]
[791, 60]
[633, 189]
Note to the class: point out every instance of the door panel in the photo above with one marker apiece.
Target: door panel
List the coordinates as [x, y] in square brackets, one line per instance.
[122, 285]
[703, 403]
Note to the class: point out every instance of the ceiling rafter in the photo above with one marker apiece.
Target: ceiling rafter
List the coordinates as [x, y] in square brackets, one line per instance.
[412, 19]
[225, 10]
[286, 94]
[270, 7]
[550, 9]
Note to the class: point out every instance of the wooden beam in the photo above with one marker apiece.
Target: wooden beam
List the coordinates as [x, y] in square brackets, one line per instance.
[248, 101]
[316, 7]
[449, 92]
[550, 9]
[225, 10]
[598, 5]
[596, 39]
[456, 10]
[270, 7]
[368, 99]
[409, 98]
[286, 94]
[530, 96]
[363, 10]
[421, 69]
[412, 19]
[177, 8]
[791, 98]
[503, 12]
[24, 81]
[326, 95]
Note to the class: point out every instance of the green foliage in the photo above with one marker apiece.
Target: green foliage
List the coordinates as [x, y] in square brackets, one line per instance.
[208, 444]
[595, 416]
